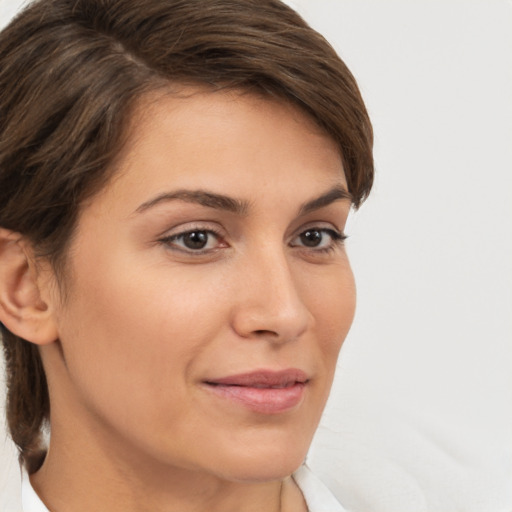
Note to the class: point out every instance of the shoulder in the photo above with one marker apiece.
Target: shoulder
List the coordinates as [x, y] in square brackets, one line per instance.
[318, 497]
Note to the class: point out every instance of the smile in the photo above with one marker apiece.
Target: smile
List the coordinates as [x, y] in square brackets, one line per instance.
[263, 392]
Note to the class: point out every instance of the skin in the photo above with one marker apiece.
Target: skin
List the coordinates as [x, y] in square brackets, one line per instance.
[146, 320]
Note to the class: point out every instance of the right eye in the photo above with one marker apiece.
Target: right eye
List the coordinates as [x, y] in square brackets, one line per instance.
[194, 241]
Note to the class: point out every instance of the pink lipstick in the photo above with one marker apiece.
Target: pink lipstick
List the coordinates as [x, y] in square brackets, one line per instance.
[262, 391]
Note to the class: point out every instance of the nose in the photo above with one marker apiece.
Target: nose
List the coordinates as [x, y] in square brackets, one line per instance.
[269, 302]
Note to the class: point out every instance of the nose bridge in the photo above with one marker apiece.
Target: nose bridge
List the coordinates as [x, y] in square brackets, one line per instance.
[270, 302]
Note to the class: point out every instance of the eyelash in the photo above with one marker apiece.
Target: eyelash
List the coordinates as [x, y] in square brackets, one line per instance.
[337, 240]
[168, 240]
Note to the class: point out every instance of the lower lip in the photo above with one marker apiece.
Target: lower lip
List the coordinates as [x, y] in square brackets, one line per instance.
[262, 400]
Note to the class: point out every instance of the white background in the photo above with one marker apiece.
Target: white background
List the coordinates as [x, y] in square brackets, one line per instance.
[420, 419]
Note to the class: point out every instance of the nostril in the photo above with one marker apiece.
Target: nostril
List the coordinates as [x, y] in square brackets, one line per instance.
[264, 332]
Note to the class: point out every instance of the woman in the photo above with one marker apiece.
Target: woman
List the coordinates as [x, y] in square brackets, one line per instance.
[174, 182]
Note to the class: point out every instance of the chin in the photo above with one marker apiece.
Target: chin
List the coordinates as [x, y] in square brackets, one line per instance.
[264, 462]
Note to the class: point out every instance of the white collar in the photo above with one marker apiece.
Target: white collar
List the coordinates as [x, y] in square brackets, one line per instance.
[318, 497]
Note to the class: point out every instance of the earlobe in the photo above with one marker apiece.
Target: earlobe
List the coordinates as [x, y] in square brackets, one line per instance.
[22, 309]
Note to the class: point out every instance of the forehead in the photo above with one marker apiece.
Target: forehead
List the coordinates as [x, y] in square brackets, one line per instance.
[197, 107]
[226, 141]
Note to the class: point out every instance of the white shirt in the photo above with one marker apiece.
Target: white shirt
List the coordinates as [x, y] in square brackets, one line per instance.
[318, 497]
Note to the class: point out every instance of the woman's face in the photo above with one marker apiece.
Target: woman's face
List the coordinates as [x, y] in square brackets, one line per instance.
[209, 291]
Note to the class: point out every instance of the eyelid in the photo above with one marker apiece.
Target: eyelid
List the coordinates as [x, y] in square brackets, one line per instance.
[187, 227]
[321, 225]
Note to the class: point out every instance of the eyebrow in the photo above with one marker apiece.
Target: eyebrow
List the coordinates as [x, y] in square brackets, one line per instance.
[337, 193]
[238, 206]
[202, 197]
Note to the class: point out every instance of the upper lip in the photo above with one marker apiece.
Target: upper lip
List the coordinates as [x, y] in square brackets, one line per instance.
[263, 378]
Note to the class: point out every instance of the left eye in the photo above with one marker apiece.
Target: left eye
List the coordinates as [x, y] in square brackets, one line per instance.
[194, 240]
[317, 238]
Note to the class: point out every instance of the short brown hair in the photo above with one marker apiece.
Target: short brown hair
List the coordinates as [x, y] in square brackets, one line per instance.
[70, 73]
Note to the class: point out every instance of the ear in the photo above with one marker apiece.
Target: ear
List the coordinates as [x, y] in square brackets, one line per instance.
[22, 308]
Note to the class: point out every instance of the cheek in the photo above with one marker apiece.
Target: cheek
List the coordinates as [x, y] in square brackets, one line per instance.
[130, 312]
[334, 312]
[135, 334]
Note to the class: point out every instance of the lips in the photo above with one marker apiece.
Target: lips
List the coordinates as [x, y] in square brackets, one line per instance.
[266, 392]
